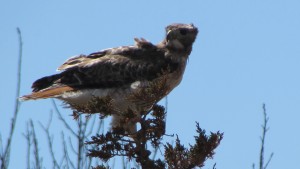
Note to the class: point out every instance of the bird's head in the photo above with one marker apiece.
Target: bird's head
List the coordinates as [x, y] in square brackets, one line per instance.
[180, 37]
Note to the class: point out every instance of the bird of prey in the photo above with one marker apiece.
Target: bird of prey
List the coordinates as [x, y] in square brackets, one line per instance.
[122, 72]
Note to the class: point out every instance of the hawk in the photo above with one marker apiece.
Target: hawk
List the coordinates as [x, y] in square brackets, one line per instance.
[122, 72]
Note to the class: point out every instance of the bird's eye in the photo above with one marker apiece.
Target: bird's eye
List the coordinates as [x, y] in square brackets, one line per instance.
[183, 31]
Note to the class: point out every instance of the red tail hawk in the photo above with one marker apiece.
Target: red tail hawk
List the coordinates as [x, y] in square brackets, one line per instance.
[121, 72]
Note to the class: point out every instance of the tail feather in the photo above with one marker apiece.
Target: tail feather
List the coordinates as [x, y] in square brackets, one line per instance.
[46, 93]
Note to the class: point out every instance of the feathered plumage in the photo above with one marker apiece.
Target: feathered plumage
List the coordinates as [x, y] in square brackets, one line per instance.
[121, 72]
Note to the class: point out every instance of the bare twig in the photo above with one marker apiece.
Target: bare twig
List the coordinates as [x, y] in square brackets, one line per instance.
[79, 144]
[38, 161]
[214, 167]
[166, 106]
[27, 136]
[88, 162]
[265, 129]
[155, 152]
[72, 147]
[62, 119]
[66, 162]
[262, 148]
[100, 125]
[1, 147]
[50, 141]
[81, 136]
[82, 133]
[123, 162]
[5, 156]
[66, 154]
[265, 167]
[92, 127]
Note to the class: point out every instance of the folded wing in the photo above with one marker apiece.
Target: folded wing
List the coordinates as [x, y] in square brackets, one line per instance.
[111, 68]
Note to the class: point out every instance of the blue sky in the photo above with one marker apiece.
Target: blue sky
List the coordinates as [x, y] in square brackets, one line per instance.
[247, 53]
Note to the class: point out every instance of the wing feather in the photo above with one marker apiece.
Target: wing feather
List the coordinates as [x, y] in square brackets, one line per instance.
[80, 60]
[111, 68]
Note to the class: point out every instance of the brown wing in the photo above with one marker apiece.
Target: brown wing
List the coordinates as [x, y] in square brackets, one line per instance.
[111, 68]
[74, 61]
[81, 60]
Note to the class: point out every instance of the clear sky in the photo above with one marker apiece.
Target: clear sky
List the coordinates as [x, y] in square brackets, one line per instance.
[247, 53]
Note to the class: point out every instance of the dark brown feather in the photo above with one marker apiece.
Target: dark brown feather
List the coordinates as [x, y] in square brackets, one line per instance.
[112, 68]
